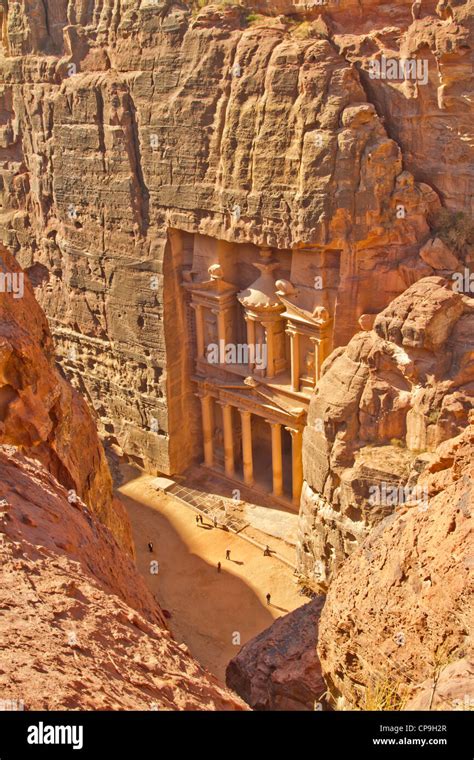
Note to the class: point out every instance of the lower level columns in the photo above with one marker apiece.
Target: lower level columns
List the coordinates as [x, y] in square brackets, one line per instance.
[277, 458]
[297, 463]
[207, 428]
[247, 454]
[229, 464]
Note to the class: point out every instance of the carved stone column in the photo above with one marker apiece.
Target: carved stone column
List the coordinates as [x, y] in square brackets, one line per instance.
[207, 428]
[277, 459]
[229, 464]
[247, 453]
[198, 310]
[251, 341]
[295, 359]
[297, 463]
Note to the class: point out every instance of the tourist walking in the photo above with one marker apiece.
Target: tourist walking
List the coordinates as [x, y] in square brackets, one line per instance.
[214, 522]
[218, 567]
[269, 598]
[150, 546]
[197, 520]
[266, 551]
[227, 554]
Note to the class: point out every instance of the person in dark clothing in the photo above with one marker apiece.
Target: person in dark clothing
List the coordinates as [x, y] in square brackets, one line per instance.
[268, 598]
[150, 546]
[227, 554]
[197, 519]
[218, 567]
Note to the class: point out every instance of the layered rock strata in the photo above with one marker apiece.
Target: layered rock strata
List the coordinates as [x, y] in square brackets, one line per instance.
[125, 122]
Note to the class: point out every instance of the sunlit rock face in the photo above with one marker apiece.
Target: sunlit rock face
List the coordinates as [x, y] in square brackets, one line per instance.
[125, 122]
[40, 414]
[397, 615]
[383, 406]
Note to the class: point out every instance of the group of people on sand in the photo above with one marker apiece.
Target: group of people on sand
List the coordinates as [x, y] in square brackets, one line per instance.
[267, 552]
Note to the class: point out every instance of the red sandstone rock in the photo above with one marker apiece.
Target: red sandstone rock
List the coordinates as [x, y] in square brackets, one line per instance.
[400, 608]
[42, 415]
[79, 629]
[136, 125]
[437, 255]
[382, 406]
[279, 669]
[450, 689]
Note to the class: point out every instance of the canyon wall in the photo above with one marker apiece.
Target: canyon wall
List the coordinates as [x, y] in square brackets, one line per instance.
[399, 613]
[41, 415]
[79, 628]
[122, 122]
[384, 404]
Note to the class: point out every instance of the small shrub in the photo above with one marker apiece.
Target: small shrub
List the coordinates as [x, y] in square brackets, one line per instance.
[456, 229]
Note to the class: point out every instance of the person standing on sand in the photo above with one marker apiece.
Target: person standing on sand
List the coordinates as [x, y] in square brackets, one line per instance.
[227, 554]
[268, 598]
[218, 567]
[214, 522]
[150, 546]
[197, 520]
[266, 551]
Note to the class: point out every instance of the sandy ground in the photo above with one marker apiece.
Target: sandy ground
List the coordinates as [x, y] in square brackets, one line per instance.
[213, 613]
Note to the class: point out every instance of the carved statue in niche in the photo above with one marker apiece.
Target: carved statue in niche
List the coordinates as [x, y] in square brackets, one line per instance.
[309, 363]
[211, 329]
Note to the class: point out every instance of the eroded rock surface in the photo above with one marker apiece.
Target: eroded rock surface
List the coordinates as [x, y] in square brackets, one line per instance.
[41, 414]
[401, 607]
[382, 407]
[79, 629]
[123, 121]
[279, 669]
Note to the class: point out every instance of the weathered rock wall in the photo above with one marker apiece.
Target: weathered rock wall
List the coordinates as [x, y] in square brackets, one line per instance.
[400, 610]
[79, 628]
[123, 121]
[383, 405]
[40, 414]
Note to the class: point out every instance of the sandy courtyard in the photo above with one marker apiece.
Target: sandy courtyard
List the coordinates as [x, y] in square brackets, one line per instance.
[213, 613]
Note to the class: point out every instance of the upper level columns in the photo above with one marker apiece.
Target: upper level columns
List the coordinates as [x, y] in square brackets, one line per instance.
[295, 358]
[198, 309]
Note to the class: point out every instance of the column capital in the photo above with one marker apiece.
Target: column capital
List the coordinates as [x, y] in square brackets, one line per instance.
[293, 431]
[244, 412]
[273, 422]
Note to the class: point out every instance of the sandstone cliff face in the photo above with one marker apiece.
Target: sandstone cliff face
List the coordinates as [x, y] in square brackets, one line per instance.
[399, 612]
[125, 121]
[41, 414]
[79, 629]
[382, 407]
